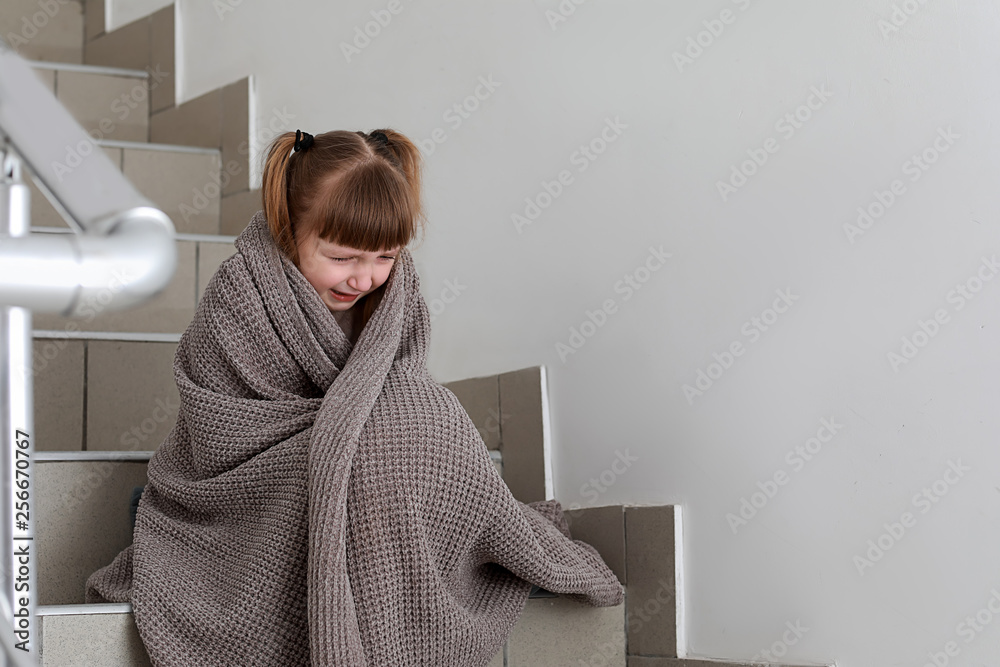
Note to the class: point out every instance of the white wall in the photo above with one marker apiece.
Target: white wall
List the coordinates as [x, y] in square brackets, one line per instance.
[656, 185]
[121, 12]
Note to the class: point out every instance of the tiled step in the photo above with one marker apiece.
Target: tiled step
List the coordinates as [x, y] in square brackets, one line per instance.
[116, 391]
[81, 521]
[171, 311]
[107, 393]
[82, 516]
[551, 632]
[88, 635]
[557, 631]
[510, 410]
[183, 181]
[103, 394]
[109, 103]
[129, 403]
[641, 661]
[40, 30]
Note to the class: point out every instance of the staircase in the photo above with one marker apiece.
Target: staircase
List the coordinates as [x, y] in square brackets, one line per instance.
[104, 389]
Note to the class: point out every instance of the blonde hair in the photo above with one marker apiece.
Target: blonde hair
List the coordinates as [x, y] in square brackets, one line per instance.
[348, 188]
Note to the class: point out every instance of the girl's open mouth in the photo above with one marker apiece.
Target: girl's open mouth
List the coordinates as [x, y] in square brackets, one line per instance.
[343, 297]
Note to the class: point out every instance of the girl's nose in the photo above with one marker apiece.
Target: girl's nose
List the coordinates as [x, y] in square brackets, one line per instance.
[361, 281]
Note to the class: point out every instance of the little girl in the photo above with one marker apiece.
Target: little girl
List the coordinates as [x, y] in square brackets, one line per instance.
[321, 499]
[355, 200]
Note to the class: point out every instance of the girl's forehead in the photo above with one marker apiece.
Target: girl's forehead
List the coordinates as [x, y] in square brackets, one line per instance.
[330, 246]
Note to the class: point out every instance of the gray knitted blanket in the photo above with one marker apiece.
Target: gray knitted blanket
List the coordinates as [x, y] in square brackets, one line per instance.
[328, 504]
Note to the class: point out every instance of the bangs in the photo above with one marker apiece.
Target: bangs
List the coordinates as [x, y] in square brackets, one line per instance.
[368, 208]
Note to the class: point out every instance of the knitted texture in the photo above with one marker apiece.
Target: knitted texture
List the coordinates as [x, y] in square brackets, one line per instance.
[324, 503]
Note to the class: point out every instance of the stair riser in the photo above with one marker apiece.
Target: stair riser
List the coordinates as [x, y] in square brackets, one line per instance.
[109, 640]
[81, 522]
[184, 183]
[50, 30]
[107, 106]
[126, 394]
[549, 632]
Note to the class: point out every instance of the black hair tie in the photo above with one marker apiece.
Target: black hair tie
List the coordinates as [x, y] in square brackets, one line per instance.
[303, 140]
[380, 137]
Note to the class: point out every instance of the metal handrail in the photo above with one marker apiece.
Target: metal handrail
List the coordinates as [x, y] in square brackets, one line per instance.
[122, 255]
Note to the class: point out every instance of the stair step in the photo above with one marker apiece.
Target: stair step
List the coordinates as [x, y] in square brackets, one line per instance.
[50, 32]
[644, 661]
[103, 393]
[82, 522]
[39, 65]
[109, 102]
[121, 385]
[90, 634]
[116, 391]
[550, 631]
[82, 517]
[557, 631]
[183, 181]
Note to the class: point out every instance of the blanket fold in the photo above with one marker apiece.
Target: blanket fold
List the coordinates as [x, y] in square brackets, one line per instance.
[324, 503]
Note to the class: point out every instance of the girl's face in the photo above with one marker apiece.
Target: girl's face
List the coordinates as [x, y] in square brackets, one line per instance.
[343, 275]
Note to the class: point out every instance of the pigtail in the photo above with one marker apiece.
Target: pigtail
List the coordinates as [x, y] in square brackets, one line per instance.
[410, 161]
[274, 189]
